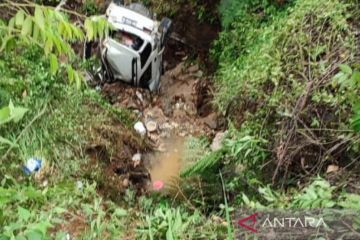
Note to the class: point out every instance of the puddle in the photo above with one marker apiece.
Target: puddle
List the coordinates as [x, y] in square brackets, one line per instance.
[166, 166]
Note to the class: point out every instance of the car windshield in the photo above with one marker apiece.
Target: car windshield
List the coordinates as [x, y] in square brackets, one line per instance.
[128, 39]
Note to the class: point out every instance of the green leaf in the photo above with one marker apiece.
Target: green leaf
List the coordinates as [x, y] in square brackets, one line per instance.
[345, 69]
[42, 227]
[57, 43]
[54, 65]
[34, 235]
[17, 113]
[48, 46]
[19, 18]
[89, 29]
[23, 214]
[39, 17]
[27, 26]
[11, 25]
[356, 77]
[6, 42]
[120, 212]
[70, 72]
[36, 32]
[4, 141]
[4, 115]
[78, 80]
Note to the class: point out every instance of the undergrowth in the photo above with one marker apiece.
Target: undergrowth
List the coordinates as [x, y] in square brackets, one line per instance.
[290, 116]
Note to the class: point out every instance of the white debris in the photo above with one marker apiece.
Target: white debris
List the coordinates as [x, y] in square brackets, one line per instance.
[151, 126]
[140, 96]
[140, 128]
[136, 159]
[79, 185]
[217, 141]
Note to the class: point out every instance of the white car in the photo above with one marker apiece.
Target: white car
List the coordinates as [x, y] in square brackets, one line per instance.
[133, 53]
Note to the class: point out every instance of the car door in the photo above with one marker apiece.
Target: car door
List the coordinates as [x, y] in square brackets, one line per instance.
[123, 61]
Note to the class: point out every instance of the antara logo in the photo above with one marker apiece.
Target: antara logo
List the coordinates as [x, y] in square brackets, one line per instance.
[294, 222]
[251, 219]
[283, 222]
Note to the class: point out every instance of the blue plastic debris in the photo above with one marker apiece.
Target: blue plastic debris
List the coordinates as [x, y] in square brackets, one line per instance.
[32, 165]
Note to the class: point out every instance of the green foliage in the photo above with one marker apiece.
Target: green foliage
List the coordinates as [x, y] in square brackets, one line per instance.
[176, 223]
[350, 201]
[53, 32]
[28, 212]
[8, 114]
[239, 148]
[318, 194]
[347, 81]
[11, 113]
[205, 163]
[89, 7]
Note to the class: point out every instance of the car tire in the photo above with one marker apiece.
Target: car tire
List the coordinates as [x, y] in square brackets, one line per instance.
[141, 9]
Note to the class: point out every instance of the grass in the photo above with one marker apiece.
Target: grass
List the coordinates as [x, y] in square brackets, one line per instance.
[59, 125]
[267, 56]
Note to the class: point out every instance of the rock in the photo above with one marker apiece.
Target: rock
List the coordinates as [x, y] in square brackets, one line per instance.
[125, 183]
[182, 134]
[154, 137]
[140, 96]
[332, 168]
[199, 74]
[151, 126]
[194, 68]
[177, 70]
[136, 159]
[190, 109]
[174, 125]
[155, 114]
[217, 141]
[166, 126]
[140, 128]
[162, 147]
[211, 120]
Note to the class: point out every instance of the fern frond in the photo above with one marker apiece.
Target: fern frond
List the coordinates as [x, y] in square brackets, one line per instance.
[204, 164]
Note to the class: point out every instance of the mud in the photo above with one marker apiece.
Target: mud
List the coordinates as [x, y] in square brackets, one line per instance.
[166, 166]
[182, 108]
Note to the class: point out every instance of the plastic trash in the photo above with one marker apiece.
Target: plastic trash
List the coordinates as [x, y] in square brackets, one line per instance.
[151, 126]
[140, 128]
[137, 157]
[32, 165]
[158, 185]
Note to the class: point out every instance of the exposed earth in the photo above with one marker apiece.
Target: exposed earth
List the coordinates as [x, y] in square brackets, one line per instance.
[182, 108]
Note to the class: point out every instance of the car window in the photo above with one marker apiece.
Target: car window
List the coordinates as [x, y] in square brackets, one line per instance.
[144, 56]
[128, 39]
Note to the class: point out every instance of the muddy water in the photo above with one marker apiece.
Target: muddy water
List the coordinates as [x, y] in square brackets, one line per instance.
[166, 166]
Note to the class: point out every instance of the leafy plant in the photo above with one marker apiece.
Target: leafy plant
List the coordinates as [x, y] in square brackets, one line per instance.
[8, 114]
[52, 31]
[318, 194]
[175, 224]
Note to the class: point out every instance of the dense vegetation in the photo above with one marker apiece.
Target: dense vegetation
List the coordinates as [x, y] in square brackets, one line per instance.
[287, 80]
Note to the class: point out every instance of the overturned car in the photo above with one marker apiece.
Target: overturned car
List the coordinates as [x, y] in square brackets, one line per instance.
[133, 52]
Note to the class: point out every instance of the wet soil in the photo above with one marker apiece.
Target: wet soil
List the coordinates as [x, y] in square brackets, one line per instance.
[182, 108]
